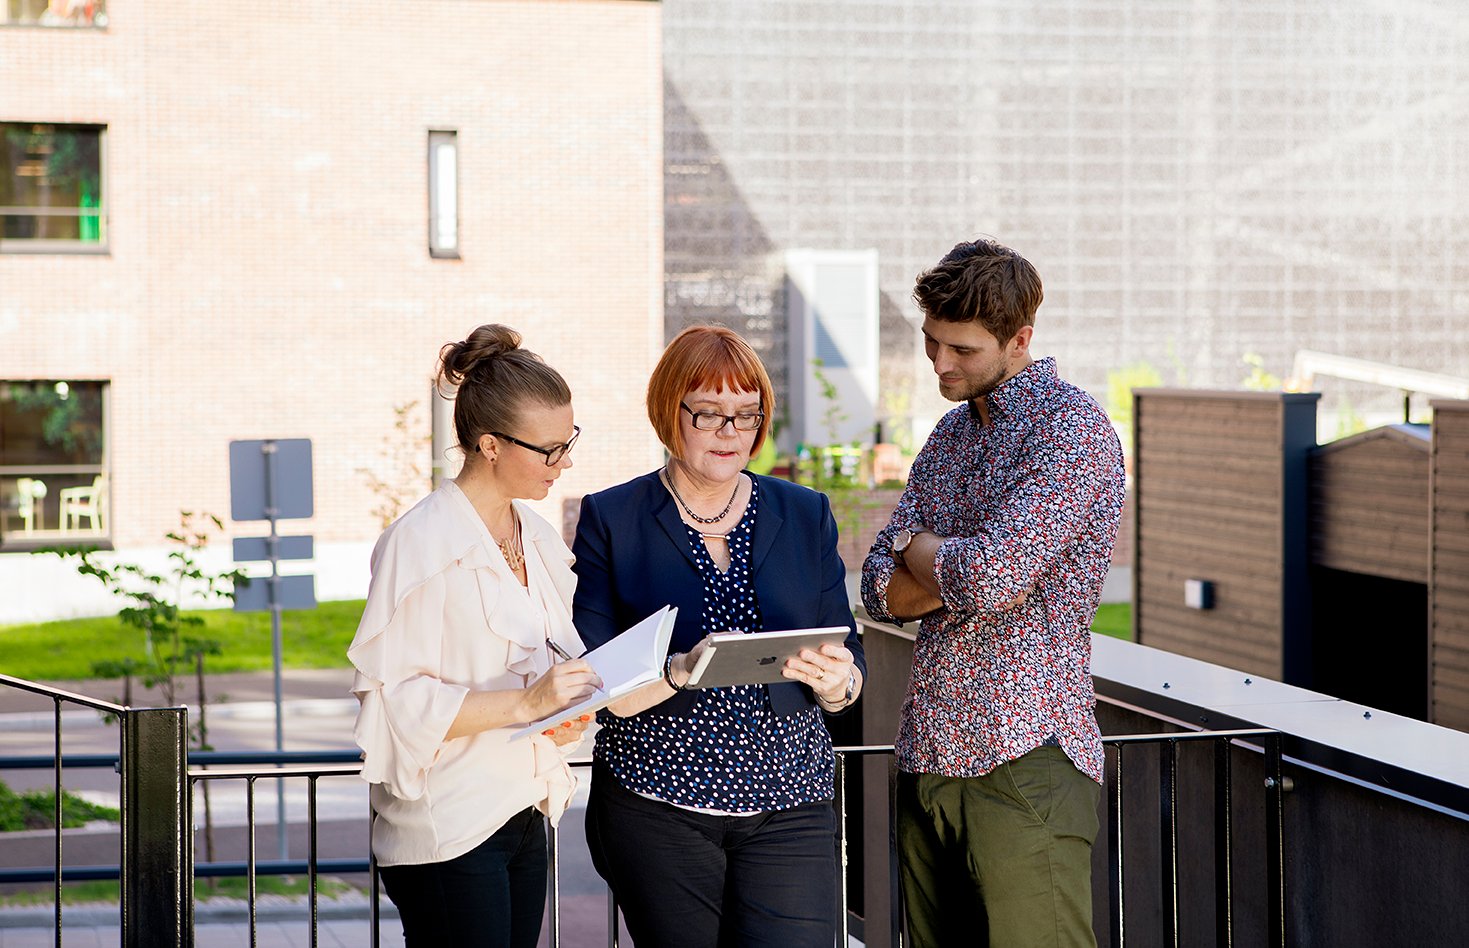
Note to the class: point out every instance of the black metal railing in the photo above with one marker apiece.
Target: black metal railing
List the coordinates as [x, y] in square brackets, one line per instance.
[157, 868]
[1224, 819]
[150, 789]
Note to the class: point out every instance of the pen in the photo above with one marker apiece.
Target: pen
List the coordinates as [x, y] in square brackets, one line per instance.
[557, 649]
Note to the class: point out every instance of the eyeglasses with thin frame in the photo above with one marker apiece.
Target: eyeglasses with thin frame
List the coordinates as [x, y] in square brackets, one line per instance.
[554, 453]
[713, 420]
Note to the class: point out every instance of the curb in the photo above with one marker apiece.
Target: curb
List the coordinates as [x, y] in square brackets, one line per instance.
[241, 710]
[268, 908]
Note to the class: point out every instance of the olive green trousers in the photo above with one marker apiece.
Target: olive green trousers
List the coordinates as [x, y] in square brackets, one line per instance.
[1003, 860]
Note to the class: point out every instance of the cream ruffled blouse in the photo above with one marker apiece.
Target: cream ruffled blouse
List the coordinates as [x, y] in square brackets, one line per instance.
[445, 615]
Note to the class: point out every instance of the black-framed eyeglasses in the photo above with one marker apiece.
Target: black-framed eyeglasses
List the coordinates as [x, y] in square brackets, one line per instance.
[713, 420]
[554, 453]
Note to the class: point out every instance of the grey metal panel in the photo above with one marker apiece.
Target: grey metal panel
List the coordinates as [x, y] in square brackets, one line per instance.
[292, 592]
[270, 479]
[249, 549]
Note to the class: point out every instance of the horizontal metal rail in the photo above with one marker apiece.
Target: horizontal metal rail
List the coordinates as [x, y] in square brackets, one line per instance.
[312, 766]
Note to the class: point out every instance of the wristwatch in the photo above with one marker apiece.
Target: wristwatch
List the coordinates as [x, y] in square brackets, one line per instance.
[900, 542]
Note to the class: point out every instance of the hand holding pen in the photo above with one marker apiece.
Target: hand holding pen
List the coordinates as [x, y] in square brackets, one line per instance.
[576, 673]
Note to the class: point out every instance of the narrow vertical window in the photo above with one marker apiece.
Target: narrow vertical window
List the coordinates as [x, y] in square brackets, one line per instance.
[443, 193]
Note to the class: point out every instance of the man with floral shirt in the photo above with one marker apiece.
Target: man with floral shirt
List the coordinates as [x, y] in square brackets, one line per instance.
[1000, 544]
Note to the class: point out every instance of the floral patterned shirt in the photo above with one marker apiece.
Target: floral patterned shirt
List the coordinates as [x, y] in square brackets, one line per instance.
[1030, 503]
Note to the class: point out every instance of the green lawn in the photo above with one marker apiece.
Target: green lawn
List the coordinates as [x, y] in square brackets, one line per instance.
[313, 638]
[1114, 619]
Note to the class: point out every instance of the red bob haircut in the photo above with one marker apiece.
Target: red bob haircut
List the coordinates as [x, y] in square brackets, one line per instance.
[705, 357]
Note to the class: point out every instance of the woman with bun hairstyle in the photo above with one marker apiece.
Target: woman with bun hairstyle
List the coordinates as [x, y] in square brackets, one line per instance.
[468, 609]
[710, 813]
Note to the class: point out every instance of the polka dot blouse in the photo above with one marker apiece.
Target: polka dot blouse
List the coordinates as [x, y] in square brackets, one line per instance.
[732, 753]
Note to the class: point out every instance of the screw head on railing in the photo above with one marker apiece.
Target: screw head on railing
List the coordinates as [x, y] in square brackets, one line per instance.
[1249, 681]
[1367, 715]
[1287, 784]
[1166, 686]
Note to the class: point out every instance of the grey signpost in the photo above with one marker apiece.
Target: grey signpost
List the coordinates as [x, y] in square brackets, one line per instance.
[271, 480]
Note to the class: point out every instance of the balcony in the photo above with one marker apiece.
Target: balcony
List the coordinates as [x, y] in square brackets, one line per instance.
[1239, 811]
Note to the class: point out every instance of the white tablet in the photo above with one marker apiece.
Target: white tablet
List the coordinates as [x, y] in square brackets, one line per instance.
[756, 658]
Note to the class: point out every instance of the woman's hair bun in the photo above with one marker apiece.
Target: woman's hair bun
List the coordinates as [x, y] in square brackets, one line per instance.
[487, 342]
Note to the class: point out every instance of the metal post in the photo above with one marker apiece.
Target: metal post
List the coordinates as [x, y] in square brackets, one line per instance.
[157, 839]
[553, 896]
[1223, 845]
[1168, 839]
[1275, 841]
[311, 854]
[268, 449]
[841, 814]
[250, 876]
[56, 891]
[895, 890]
[1114, 837]
[374, 883]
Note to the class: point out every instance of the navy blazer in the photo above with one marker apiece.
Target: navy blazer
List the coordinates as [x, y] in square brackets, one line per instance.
[633, 558]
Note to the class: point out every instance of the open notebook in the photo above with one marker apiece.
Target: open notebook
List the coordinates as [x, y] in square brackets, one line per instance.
[625, 663]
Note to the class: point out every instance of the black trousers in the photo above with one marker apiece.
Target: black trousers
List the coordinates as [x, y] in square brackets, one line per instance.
[694, 880]
[491, 897]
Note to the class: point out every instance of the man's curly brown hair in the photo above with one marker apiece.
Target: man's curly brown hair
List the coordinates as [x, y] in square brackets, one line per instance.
[981, 281]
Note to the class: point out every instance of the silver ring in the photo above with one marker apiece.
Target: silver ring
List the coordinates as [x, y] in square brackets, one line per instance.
[821, 675]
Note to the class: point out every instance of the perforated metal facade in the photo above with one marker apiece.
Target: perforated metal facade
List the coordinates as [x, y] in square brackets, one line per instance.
[1196, 181]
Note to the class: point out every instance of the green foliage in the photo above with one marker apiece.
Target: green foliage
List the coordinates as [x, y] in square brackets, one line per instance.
[170, 643]
[36, 809]
[1120, 383]
[1259, 380]
[764, 462]
[73, 649]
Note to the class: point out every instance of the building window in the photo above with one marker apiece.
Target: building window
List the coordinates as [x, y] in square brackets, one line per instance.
[443, 194]
[53, 13]
[53, 463]
[51, 196]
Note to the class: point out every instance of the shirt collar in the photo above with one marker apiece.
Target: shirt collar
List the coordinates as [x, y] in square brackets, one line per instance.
[1017, 394]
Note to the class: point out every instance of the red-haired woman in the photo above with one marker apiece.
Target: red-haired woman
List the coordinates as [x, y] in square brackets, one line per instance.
[710, 814]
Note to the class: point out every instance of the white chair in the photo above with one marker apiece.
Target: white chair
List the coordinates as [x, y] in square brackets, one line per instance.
[78, 503]
[29, 493]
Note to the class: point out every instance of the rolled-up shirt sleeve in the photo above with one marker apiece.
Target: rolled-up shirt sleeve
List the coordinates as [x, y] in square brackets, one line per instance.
[407, 709]
[1033, 525]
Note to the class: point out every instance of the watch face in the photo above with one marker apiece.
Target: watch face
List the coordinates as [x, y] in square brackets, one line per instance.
[901, 540]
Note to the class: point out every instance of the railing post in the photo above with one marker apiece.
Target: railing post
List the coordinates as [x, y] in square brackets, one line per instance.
[1223, 845]
[157, 857]
[841, 815]
[553, 896]
[1275, 841]
[1168, 838]
[1115, 865]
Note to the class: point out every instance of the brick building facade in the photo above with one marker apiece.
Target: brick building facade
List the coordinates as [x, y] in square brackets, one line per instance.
[260, 263]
